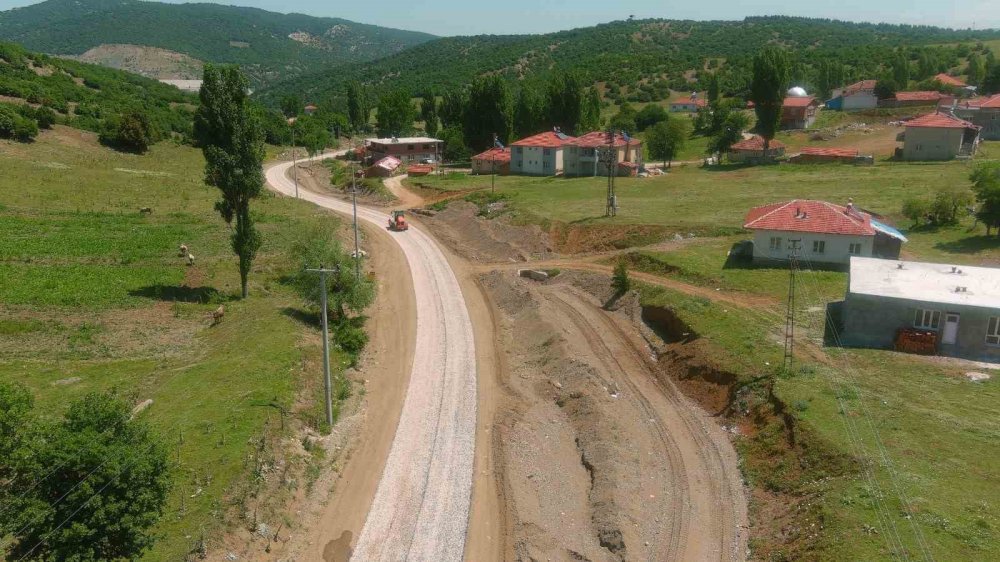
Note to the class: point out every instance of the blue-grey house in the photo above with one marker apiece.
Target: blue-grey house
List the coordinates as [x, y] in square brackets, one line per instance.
[958, 306]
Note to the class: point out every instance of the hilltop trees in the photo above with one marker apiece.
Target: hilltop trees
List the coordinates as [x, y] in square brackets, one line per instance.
[43, 465]
[770, 78]
[490, 111]
[232, 139]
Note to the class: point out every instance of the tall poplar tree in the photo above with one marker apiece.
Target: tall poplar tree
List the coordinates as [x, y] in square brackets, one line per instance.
[770, 79]
[490, 111]
[232, 140]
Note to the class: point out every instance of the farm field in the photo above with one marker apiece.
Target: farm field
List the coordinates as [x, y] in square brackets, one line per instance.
[93, 296]
[893, 452]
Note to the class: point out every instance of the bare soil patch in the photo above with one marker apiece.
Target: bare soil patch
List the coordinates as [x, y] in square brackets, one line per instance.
[483, 240]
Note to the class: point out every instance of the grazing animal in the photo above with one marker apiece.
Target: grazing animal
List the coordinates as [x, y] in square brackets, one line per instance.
[218, 314]
[183, 251]
[146, 211]
[190, 259]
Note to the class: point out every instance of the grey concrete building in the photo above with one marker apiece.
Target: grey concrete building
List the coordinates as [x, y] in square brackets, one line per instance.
[983, 112]
[939, 136]
[959, 305]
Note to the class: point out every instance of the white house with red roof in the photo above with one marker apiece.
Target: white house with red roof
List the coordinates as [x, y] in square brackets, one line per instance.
[984, 112]
[939, 136]
[799, 112]
[690, 105]
[553, 153]
[819, 233]
[493, 161]
[543, 154]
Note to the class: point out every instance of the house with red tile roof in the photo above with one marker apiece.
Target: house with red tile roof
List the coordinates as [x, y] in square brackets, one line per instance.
[543, 154]
[799, 112]
[751, 150]
[820, 154]
[859, 95]
[981, 111]
[939, 136]
[950, 81]
[690, 105]
[494, 160]
[911, 99]
[819, 232]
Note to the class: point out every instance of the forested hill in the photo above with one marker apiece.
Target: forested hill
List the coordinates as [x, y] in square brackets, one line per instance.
[627, 52]
[269, 45]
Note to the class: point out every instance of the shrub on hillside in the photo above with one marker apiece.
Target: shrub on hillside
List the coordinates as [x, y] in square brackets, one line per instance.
[13, 125]
[133, 132]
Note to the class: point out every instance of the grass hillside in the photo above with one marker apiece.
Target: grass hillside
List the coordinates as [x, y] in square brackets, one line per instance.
[624, 52]
[93, 296]
[875, 455]
[85, 96]
[268, 45]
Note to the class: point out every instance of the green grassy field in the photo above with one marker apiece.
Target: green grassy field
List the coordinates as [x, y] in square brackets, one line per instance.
[93, 296]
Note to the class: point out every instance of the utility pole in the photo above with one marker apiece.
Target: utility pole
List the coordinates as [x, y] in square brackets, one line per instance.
[610, 160]
[295, 168]
[328, 385]
[357, 247]
[793, 264]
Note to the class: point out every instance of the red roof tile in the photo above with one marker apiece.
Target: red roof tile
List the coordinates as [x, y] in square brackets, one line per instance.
[950, 80]
[548, 139]
[794, 101]
[918, 96]
[698, 102]
[862, 86]
[756, 144]
[837, 152]
[494, 154]
[992, 103]
[598, 139]
[801, 215]
[940, 121]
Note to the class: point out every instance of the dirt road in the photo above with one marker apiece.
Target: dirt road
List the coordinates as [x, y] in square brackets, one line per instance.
[421, 507]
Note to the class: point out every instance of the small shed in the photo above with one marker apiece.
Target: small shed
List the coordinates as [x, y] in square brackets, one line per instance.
[419, 170]
[493, 159]
[384, 168]
[751, 150]
[816, 155]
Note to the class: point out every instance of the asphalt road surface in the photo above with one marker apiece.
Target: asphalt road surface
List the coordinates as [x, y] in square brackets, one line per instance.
[421, 507]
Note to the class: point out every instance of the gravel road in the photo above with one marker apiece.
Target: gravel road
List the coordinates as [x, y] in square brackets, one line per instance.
[421, 507]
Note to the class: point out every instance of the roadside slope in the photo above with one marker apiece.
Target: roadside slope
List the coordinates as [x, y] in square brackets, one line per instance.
[421, 507]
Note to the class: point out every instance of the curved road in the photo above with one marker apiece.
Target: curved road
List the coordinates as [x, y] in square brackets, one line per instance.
[421, 507]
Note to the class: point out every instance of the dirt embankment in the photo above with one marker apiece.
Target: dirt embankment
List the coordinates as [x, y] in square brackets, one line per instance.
[482, 240]
[600, 459]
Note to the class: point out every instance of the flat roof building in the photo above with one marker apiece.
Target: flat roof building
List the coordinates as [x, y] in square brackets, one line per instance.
[957, 307]
[406, 149]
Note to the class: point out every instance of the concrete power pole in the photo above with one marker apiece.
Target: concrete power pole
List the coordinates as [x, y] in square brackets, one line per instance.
[328, 384]
[357, 246]
[793, 264]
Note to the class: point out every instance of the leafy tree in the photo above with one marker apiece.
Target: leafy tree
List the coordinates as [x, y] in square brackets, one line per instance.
[770, 79]
[977, 69]
[291, 105]
[712, 87]
[590, 114]
[620, 281]
[453, 105]
[345, 293]
[566, 102]
[649, 116]
[14, 126]
[625, 119]
[665, 139]
[101, 472]
[133, 132]
[916, 210]
[986, 186]
[429, 112]
[901, 70]
[232, 140]
[991, 83]
[529, 112]
[396, 113]
[885, 88]
[45, 117]
[455, 149]
[947, 203]
[311, 134]
[359, 106]
[490, 111]
[730, 133]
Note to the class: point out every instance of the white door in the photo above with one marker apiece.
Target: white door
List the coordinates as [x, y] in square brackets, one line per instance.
[950, 329]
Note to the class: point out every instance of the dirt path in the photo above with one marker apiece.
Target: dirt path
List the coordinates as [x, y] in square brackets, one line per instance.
[421, 506]
[407, 199]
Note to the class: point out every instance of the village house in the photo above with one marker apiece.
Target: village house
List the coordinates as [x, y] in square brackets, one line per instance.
[384, 167]
[310, 109]
[799, 112]
[691, 105]
[912, 99]
[585, 156]
[819, 233]
[953, 310]
[955, 85]
[824, 155]
[938, 136]
[543, 154]
[495, 160]
[982, 112]
[860, 95]
[751, 150]
[406, 149]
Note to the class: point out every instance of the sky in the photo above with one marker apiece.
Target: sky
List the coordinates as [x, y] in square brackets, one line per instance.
[471, 17]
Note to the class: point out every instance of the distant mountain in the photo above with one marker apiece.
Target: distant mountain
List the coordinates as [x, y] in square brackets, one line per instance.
[269, 45]
[629, 53]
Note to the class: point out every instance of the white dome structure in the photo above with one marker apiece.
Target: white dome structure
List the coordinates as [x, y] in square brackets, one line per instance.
[797, 92]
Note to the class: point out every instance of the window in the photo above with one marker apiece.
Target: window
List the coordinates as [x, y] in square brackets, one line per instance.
[993, 331]
[920, 147]
[927, 319]
[854, 249]
[547, 151]
[427, 147]
[775, 243]
[819, 246]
